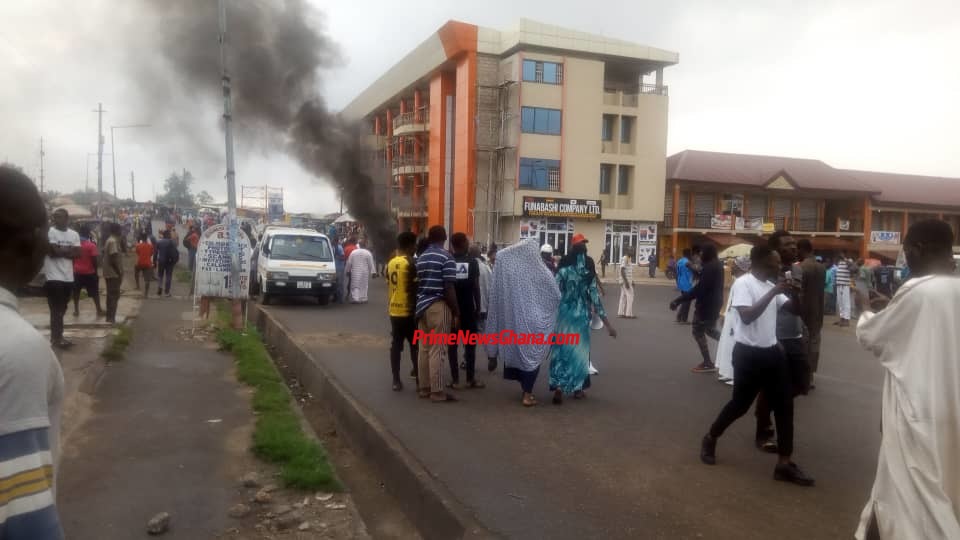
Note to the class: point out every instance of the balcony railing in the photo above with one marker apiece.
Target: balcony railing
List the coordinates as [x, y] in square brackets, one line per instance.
[412, 118]
[660, 90]
[718, 222]
[409, 160]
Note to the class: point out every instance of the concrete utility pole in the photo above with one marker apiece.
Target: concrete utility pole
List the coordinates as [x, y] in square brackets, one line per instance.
[232, 228]
[133, 191]
[99, 112]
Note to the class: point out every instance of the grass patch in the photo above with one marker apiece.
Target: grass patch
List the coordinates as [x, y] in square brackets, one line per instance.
[182, 275]
[278, 436]
[117, 347]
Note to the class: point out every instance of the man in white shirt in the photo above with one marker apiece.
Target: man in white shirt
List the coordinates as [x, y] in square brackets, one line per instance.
[758, 362]
[916, 493]
[64, 246]
[31, 382]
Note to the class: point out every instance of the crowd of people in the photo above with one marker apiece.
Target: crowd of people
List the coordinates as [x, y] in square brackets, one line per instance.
[441, 288]
[768, 347]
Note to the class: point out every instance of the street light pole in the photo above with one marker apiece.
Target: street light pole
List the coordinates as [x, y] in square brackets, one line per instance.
[113, 152]
[232, 229]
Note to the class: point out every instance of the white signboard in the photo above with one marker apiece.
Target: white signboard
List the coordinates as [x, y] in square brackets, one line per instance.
[885, 237]
[214, 263]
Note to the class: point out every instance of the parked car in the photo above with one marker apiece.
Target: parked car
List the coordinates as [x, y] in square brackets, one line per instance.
[295, 262]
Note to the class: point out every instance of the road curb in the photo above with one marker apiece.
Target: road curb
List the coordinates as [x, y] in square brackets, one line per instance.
[426, 502]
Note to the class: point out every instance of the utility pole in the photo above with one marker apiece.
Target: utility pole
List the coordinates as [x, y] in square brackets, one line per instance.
[232, 229]
[113, 160]
[99, 112]
[41, 164]
[133, 192]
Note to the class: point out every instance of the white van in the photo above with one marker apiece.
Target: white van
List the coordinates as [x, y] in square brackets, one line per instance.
[295, 262]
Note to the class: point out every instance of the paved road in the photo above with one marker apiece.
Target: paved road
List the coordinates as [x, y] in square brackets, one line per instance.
[623, 463]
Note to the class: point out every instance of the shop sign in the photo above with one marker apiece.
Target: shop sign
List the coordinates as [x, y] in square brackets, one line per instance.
[751, 224]
[721, 221]
[560, 208]
[885, 237]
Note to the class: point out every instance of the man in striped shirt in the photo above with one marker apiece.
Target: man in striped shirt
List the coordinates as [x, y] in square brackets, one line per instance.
[842, 281]
[31, 382]
[437, 311]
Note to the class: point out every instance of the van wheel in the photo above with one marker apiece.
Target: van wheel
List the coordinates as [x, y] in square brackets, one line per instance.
[323, 299]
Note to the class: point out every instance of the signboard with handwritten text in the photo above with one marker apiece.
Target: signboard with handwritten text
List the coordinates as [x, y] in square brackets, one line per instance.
[214, 263]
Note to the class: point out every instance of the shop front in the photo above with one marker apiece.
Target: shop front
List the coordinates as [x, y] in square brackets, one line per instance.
[553, 221]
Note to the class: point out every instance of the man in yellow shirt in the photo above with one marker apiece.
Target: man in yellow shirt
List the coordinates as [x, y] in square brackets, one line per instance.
[401, 280]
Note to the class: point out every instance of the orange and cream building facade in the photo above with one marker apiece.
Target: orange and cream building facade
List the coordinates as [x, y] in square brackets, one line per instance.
[537, 131]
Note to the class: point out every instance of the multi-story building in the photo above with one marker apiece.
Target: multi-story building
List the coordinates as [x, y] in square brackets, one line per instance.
[539, 131]
[735, 198]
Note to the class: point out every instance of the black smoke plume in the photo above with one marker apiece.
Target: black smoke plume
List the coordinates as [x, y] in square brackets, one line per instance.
[276, 53]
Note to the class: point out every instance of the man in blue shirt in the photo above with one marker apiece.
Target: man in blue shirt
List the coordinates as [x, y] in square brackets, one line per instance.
[437, 312]
[685, 284]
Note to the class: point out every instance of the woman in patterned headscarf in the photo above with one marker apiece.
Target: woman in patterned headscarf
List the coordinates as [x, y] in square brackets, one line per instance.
[523, 299]
[570, 363]
[724, 362]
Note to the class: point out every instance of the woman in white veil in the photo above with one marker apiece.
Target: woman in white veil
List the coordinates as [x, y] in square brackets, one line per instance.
[523, 299]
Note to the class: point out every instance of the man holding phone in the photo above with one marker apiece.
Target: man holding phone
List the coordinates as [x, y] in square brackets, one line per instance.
[759, 363]
[790, 336]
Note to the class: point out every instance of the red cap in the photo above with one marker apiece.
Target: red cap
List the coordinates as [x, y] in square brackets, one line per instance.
[578, 239]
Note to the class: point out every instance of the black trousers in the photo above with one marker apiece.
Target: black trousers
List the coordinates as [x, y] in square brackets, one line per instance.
[401, 329]
[757, 369]
[113, 297]
[164, 277]
[58, 299]
[703, 327]
[797, 357]
[683, 312]
[469, 353]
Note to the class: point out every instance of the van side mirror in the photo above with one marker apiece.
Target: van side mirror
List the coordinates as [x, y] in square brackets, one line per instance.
[265, 249]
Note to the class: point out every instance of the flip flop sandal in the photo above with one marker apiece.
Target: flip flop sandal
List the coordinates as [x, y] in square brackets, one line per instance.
[530, 402]
[454, 386]
[444, 398]
[475, 384]
[579, 394]
[423, 395]
[557, 397]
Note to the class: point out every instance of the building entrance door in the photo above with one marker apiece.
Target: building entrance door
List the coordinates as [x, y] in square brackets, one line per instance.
[557, 235]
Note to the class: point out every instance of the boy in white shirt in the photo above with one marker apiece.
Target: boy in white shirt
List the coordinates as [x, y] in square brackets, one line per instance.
[758, 361]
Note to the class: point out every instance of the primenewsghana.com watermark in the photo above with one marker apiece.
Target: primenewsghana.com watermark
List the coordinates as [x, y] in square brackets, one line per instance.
[505, 337]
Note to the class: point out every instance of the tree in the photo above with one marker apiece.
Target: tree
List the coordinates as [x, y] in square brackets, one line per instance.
[177, 188]
[204, 198]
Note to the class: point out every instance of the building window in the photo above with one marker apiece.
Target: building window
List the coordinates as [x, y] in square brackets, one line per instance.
[542, 72]
[623, 180]
[540, 174]
[626, 128]
[539, 120]
[606, 133]
[732, 204]
[606, 174]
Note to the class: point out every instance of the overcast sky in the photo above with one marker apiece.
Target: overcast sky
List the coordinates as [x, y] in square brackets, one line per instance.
[859, 84]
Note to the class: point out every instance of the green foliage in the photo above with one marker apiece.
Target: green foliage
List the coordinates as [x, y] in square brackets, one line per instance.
[278, 436]
[118, 345]
[177, 189]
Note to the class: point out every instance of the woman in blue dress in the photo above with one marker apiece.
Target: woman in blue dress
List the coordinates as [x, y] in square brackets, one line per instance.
[579, 301]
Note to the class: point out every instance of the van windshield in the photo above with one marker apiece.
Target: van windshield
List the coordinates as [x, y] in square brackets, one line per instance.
[300, 248]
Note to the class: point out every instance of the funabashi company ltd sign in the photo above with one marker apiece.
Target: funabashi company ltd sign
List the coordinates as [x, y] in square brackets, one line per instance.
[560, 208]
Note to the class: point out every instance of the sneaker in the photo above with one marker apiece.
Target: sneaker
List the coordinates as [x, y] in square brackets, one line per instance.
[793, 474]
[708, 450]
[704, 368]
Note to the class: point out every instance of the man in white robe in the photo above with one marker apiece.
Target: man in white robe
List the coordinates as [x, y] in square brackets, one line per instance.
[916, 493]
[360, 267]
